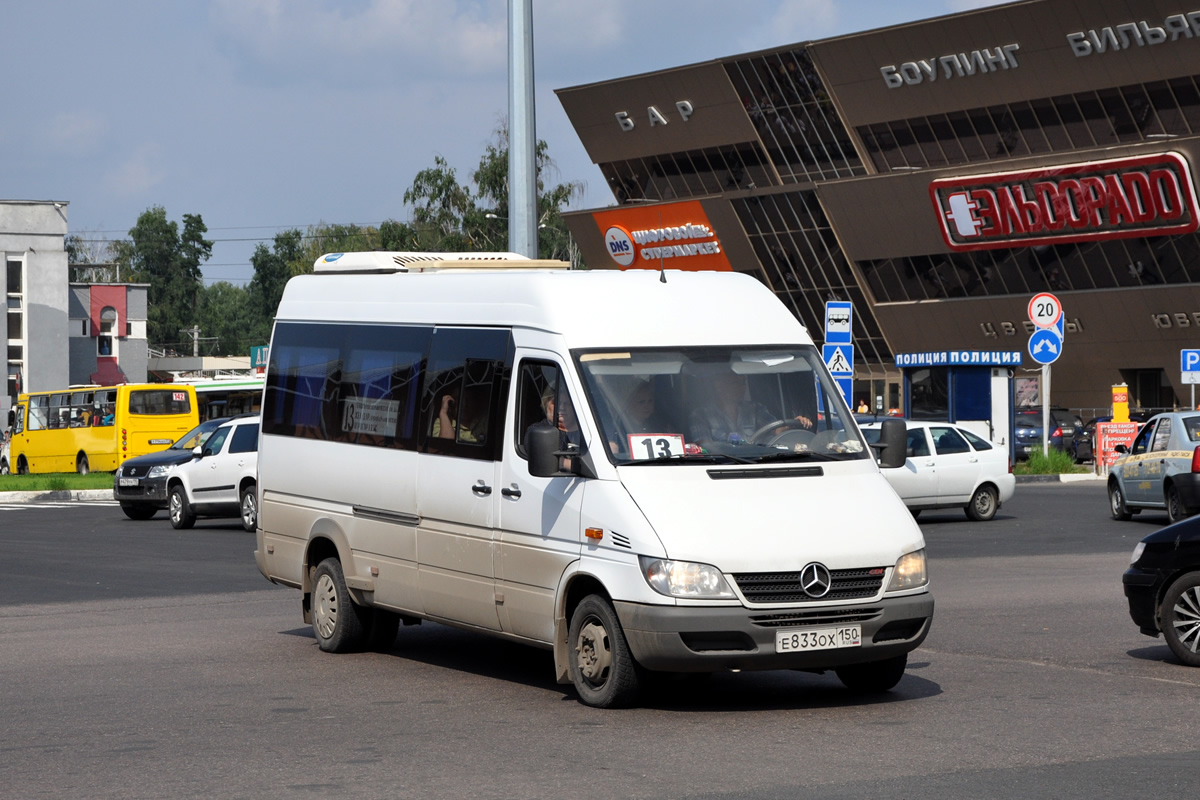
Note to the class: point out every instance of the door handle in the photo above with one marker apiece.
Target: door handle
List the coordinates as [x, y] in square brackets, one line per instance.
[481, 489]
[514, 492]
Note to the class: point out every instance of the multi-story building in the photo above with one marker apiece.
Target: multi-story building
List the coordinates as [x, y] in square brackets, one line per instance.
[938, 175]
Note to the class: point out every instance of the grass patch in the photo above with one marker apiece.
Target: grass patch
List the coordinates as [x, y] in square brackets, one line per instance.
[1056, 463]
[55, 482]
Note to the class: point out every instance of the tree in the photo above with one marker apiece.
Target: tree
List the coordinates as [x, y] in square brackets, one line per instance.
[157, 254]
[225, 319]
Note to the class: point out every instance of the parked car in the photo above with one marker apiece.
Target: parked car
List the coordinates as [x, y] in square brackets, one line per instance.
[223, 481]
[1162, 586]
[949, 467]
[1162, 469]
[140, 484]
[4, 458]
[1064, 426]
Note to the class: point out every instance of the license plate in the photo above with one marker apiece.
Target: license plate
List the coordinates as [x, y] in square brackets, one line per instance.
[127, 481]
[792, 641]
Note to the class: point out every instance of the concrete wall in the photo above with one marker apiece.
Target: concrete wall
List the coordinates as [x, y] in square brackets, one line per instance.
[33, 231]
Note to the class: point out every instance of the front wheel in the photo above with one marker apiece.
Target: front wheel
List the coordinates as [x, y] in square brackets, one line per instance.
[1175, 509]
[138, 511]
[875, 676]
[983, 504]
[340, 625]
[1116, 503]
[179, 509]
[601, 665]
[1181, 618]
[249, 508]
[3, 467]
[81, 464]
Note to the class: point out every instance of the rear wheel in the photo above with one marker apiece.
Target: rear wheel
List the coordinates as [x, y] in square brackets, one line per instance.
[250, 508]
[874, 676]
[1116, 502]
[1175, 509]
[81, 464]
[179, 509]
[3, 467]
[1181, 618]
[339, 625]
[138, 511]
[983, 504]
[601, 665]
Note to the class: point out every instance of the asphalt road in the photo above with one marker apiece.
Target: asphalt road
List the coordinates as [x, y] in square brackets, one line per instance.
[138, 661]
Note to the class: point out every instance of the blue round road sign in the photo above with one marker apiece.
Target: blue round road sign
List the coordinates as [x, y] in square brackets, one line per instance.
[1045, 345]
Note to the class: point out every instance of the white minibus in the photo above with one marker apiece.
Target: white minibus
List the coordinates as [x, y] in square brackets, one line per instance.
[644, 472]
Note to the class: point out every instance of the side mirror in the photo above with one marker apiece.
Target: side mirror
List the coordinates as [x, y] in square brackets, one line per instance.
[543, 444]
[1121, 448]
[893, 438]
[12, 418]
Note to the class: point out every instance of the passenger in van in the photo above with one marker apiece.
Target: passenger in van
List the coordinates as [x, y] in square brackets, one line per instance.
[637, 415]
[731, 416]
[468, 423]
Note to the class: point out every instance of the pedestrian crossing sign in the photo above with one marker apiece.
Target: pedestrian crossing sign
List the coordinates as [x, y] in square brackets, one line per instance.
[839, 358]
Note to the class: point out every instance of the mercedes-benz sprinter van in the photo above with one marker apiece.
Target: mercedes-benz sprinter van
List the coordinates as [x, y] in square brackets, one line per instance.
[642, 471]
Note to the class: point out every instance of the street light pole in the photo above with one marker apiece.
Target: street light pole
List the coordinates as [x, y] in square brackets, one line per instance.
[522, 139]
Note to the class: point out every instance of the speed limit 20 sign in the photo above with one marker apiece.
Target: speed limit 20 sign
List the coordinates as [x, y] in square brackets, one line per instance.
[1044, 310]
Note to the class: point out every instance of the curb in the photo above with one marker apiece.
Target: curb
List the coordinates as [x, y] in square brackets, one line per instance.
[1065, 478]
[61, 496]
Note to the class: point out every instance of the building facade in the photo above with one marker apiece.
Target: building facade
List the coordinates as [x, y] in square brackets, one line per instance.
[938, 175]
[108, 342]
[31, 242]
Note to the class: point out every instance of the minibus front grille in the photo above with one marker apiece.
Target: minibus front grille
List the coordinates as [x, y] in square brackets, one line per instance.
[833, 616]
[786, 587]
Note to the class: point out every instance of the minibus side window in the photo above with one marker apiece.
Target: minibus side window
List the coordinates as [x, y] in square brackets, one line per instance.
[39, 409]
[465, 377]
[356, 384]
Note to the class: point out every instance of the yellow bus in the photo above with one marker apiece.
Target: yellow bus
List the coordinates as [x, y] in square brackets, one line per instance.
[97, 427]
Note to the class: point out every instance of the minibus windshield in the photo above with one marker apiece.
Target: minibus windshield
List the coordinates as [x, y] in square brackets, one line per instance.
[755, 404]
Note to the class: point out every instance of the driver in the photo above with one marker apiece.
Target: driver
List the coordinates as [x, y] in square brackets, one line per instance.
[731, 416]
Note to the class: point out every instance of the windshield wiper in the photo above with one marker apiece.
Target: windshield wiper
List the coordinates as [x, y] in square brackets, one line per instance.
[801, 455]
[698, 458]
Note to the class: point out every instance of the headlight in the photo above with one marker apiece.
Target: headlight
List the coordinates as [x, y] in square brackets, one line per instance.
[910, 572]
[1137, 553]
[158, 472]
[684, 578]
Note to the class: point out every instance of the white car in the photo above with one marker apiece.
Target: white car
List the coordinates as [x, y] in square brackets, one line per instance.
[950, 467]
[222, 481]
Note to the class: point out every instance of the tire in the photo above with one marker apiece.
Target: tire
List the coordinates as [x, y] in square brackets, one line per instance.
[138, 511]
[874, 677]
[1116, 502]
[81, 464]
[249, 508]
[983, 505]
[1180, 618]
[600, 663]
[1175, 509]
[382, 633]
[179, 509]
[3, 467]
[339, 624]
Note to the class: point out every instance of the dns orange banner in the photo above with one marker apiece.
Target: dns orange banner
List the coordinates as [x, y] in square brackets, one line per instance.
[669, 236]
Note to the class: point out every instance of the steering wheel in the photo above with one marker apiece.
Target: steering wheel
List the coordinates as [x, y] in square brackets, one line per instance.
[767, 433]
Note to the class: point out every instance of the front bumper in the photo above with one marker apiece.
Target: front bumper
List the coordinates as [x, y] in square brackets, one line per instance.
[1142, 589]
[148, 492]
[711, 639]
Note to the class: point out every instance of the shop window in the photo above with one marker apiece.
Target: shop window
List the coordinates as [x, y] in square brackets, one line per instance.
[1166, 110]
[1189, 101]
[1073, 122]
[1050, 125]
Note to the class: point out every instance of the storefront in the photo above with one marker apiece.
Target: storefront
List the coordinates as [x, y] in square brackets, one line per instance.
[936, 175]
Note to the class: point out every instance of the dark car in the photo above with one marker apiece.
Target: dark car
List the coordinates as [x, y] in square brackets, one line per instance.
[140, 484]
[1027, 436]
[1162, 585]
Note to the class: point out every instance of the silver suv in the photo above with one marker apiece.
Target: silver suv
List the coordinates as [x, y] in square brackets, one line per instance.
[222, 481]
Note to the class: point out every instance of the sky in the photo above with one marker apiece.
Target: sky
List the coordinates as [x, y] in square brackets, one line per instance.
[266, 115]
